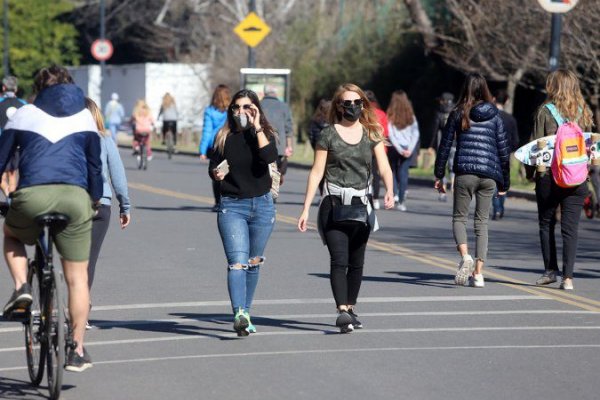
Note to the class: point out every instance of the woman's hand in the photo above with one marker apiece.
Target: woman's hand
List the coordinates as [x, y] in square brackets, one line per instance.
[388, 199]
[439, 186]
[203, 157]
[303, 221]
[218, 175]
[254, 117]
[125, 219]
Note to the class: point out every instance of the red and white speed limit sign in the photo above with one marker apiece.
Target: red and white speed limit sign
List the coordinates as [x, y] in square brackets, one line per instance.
[558, 6]
[102, 49]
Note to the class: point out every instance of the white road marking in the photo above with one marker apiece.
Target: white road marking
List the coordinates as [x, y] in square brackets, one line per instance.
[333, 331]
[331, 351]
[284, 317]
[222, 303]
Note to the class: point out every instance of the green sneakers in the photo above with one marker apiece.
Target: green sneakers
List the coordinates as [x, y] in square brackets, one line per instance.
[241, 321]
[251, 328]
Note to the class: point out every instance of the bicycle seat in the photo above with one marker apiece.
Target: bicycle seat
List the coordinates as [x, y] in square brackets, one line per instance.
[54, 220]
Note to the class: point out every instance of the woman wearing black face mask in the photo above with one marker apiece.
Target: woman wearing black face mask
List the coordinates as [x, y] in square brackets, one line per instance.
[344, 153]
[246, 213]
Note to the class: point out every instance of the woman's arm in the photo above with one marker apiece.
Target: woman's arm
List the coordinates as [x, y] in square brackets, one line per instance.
[443, 151]
[314, 177]
[207, 129]
[118, 179]
[386, 174]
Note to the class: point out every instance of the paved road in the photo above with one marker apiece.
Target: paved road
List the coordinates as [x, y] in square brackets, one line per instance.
[163, 326]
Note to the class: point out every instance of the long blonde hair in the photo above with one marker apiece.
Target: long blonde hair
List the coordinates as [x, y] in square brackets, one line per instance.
[167, 101]
[368, 118]
[564, 92]
[141, 109]
[400, 112]
[97, 114]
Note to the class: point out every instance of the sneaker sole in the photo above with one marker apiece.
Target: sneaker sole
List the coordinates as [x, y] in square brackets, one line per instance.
[462, 276]
[347, 328]
[344, 320]
[72, 368]
[543, 283]
[240, 326]
[21, 302]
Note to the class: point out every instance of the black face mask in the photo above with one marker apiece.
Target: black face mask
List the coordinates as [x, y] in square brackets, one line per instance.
[241, 122]
[352, 113]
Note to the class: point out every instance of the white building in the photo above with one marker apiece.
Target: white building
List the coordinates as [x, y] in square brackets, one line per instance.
[188, 83]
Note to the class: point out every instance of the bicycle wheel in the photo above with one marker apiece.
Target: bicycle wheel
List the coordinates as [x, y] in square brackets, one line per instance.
[169, 141]
[35, 345]
[140, 156]
[55, 331]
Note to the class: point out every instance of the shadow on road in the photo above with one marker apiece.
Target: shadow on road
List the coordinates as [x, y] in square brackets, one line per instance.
[11, 389]
[181, 208]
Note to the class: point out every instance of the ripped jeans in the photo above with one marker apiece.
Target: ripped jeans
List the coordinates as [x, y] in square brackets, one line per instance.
[245, 226]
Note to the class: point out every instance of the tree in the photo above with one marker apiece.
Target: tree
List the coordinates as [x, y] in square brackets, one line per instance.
[38, 37]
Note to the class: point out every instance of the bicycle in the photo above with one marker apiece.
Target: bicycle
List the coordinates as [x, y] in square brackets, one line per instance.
[142, 157]
[48, 331]
[169, 143]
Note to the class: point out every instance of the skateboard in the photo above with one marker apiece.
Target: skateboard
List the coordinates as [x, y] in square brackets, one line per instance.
[538, 153]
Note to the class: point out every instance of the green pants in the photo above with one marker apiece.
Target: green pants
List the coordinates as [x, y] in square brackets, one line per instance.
[73, 243]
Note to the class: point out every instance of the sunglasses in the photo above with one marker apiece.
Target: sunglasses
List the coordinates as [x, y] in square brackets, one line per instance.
[348, 103]
[245, 107]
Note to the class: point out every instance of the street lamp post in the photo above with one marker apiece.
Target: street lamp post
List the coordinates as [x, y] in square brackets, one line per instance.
[5, 62]
[251, 53]
[102, 36]
[555, 41]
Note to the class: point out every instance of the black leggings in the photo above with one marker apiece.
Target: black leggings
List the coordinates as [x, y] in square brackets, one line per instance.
[549, 196]
[100, 224]
[170, 125]
[347, 253]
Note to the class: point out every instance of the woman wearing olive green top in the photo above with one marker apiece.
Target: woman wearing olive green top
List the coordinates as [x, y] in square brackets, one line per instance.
[344, 153]
[564, 93]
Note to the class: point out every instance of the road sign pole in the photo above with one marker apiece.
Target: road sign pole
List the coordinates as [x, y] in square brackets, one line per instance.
[251, 52]
[6, 55]
[102, 37]
[555, 41]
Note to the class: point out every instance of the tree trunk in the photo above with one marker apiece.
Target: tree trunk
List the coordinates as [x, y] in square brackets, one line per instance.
[511, 88]
[423, 22]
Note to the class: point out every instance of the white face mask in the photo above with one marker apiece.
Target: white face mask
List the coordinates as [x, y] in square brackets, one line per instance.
[241, 121]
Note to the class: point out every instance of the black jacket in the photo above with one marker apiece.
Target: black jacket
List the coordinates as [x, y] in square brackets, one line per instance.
[483, 149]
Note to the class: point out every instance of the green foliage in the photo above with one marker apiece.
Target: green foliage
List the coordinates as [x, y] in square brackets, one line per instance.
[38, 38]
[324, 54]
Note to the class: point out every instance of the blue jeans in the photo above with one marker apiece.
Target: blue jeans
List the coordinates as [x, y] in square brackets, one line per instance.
[113, 131]
[245, 226]
[400, 166]
[498, 203]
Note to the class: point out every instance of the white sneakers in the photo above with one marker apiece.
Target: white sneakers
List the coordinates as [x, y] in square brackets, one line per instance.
[477, 281]
[376, 204]
[465, 270]
[401, 207]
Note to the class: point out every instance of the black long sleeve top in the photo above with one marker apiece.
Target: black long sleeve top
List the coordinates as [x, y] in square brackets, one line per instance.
[249, 174]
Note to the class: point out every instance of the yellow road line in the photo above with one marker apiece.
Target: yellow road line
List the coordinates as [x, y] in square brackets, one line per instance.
[562, 297]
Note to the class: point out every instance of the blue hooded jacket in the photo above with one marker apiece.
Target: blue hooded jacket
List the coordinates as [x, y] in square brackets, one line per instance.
[483, 149]
[214, 119]
[58, 141]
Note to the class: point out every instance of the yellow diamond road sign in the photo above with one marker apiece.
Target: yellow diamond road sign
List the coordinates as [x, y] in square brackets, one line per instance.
[252, 30]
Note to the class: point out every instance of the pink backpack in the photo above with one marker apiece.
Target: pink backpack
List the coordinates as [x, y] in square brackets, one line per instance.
[570, 161]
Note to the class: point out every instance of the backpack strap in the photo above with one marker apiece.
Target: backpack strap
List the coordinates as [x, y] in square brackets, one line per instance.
[555, 114]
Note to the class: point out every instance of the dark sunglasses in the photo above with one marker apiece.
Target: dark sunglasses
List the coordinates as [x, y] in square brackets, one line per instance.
[348, 103]
[245, 107]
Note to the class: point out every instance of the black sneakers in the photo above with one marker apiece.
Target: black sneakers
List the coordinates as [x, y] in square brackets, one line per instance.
[344, 322]
[20, 299]
[356, 323]
[77, 363]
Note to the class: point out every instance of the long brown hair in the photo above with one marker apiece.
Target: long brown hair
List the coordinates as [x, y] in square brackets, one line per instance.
[474, 91]
[320, 115]
[400, 111]
[221, 98]
[229, 127]
[368, 119]
[564, 92]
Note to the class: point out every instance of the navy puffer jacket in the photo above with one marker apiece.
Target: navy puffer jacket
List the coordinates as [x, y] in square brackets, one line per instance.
[483, 149]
